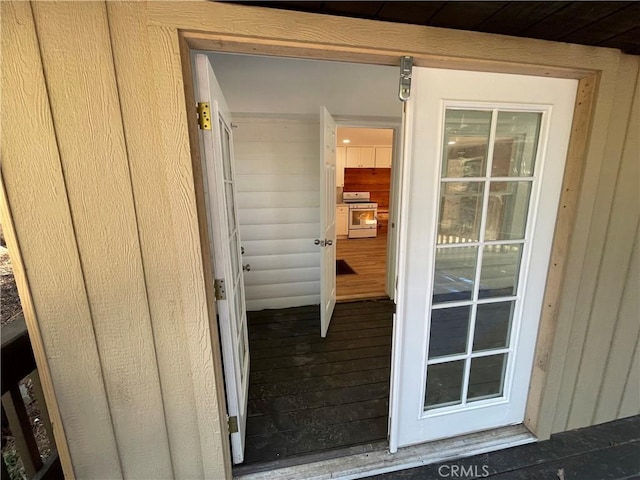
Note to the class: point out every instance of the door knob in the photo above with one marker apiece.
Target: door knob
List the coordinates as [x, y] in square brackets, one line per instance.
[241, 250]
[318, 242]
[246, 268]
[328, 243]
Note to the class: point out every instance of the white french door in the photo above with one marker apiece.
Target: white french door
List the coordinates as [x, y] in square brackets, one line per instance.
[483, 169]
[220, 191]
[327, 240]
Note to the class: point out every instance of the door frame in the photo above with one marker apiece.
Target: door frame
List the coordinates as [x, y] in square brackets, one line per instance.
[394, 187]
[588, 83]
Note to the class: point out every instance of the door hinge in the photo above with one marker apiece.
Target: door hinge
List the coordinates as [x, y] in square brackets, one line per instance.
[218, 286]
[204, 116]
[233, 424]
[406, 67]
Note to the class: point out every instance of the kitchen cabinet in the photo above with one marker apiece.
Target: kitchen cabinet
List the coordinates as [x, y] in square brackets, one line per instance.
[342, 221]
[383, 157]
[341, 160]
[360, 157]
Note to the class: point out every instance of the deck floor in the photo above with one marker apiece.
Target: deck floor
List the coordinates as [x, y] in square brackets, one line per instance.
[609, 451]
[309, 394]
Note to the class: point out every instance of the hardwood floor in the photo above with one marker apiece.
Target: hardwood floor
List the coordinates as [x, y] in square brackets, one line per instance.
[368, 257]
[310, 394]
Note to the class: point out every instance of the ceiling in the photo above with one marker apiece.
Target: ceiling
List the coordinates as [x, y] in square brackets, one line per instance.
[603, 24]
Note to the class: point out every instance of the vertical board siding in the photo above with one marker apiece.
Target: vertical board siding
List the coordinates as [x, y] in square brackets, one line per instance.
[619, 368]
[78, 64]
[277, 171]
[162, 255]
[37, 199]
[612, 276]
[198, 316]
[609, 243]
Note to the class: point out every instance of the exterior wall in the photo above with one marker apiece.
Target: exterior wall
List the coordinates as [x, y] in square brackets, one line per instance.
[96, 153]
[277, 177]
[594, 348]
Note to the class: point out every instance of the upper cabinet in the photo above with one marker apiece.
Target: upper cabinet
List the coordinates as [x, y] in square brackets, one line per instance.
[361, 157]
[383, 157]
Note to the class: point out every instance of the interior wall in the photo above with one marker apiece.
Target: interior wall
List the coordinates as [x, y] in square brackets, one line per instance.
[278, 182]
[272, 85]
[117, 283]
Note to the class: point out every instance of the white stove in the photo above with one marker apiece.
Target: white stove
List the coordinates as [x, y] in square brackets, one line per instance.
[363, 214]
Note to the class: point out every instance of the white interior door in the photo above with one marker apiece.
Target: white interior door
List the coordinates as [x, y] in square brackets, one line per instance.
[327, 240]
[224, 235]
[485, 156]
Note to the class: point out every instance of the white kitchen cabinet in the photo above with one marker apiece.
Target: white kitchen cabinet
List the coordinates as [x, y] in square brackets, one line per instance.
[341, 161]
[383, 157]
[361, 157]
[342, 221]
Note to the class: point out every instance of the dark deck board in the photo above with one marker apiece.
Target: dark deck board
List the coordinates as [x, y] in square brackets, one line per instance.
[311, 371]
[310, 394]
[606, 451]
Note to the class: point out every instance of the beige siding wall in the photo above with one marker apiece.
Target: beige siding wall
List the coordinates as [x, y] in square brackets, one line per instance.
[101, 205]
[593, 351]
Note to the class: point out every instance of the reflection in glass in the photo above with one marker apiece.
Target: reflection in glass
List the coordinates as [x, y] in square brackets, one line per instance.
[499, 271]
[466, 140]
[486, 377]
[454, 274]
[226, 152]
[449, 330]
[444, 384]
[231, 211]
[460, 212]
[493, 322]
[233, 248]
[507, 210]
[516, 144]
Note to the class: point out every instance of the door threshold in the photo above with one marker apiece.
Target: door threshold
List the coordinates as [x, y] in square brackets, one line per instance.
[361, 296]
[379, 460]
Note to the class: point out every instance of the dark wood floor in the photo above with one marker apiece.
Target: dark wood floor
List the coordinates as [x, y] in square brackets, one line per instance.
[610, 451]
[309, 394]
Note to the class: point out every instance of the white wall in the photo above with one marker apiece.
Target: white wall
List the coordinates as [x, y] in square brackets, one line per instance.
[253, 84]
[277, 177]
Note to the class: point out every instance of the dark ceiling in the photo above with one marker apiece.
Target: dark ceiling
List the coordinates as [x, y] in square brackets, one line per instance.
[604, 24]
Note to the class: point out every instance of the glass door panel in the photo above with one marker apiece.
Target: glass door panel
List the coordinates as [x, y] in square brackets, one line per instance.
[485, 190]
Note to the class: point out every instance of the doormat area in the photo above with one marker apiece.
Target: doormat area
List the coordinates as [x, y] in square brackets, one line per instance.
[343, 268]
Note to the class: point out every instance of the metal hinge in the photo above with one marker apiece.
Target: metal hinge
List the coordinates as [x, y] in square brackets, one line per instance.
[218, 286]
[406, 66]
[233, 424]
[204, 116]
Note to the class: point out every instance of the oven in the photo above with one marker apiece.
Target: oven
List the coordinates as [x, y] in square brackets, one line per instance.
[363, 215]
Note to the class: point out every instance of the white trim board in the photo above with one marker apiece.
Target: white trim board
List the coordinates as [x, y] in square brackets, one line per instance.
[381, 461]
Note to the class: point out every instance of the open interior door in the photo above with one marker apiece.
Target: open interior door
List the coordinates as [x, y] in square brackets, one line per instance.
[216, 143]
[327, 240]
[484, 162]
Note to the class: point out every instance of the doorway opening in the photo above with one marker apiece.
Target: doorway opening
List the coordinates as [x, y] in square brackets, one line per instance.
[433, 191]
[364, 160]
[307, 393]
